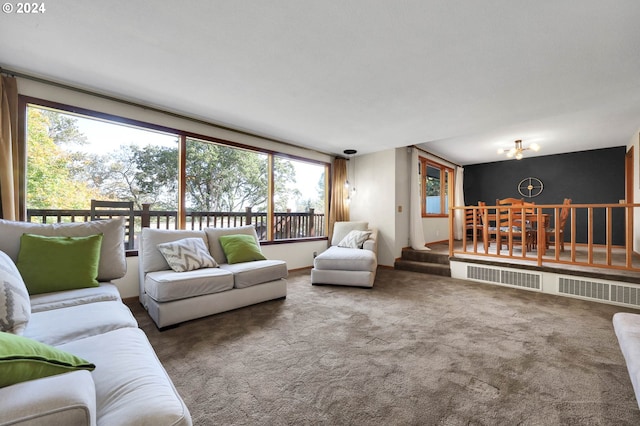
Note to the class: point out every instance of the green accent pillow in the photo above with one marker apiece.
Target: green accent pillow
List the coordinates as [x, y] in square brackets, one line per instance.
[240, 248]
[59, 263]
[23, 359]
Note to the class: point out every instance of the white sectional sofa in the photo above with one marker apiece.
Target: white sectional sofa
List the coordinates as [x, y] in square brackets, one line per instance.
[348, 261]
[173, 297]
[127, 386]
[627, 328]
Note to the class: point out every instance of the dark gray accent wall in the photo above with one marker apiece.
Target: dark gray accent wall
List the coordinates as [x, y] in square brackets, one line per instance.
[587, 177]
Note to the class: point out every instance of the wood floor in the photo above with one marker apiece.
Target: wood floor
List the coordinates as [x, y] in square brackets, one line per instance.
[618, 258]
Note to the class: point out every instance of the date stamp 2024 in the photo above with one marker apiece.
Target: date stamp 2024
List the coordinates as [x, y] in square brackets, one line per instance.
[24, 8]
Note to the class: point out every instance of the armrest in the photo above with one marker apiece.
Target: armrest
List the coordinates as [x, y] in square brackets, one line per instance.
[65, 399]
[371, 243]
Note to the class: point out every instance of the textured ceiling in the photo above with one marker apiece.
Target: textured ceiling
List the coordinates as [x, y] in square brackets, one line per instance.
[460, 78]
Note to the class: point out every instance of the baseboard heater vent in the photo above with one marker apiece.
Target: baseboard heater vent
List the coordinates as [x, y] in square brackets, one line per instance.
[625, 294]
[590, 289]
[500, 276]
[483, 274]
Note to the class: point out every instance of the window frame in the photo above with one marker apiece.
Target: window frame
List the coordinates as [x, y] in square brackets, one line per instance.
[446, 186]
[25, 101]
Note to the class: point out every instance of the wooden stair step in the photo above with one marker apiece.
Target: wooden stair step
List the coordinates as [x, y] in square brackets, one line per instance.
[423, 267]
[425, 256]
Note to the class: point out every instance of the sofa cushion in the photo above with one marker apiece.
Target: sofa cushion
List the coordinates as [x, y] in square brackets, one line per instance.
[164, 286]
[23, 359]
[187, 254]
[152, 259]
[112, 264]
[214, 234]
[61, 299]
[132, 387]
[59, 326]
[354, 239]
[15, 305]
[63, 399]
[248, 274]
[346, 259]
[341, 229]
[59, 263]
[240, 248]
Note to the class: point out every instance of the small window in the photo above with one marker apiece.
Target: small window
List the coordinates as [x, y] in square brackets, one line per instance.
[436, 186]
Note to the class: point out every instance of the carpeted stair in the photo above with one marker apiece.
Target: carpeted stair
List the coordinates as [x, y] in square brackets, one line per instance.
[426, 262]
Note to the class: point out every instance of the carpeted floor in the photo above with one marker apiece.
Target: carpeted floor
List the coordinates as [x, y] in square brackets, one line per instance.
[414, 350]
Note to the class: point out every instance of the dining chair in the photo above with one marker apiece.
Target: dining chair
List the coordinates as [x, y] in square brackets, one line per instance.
[530, 209]
[562, 221]
[473, 224]
[511, 225]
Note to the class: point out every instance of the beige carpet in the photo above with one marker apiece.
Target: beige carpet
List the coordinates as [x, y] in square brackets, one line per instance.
[414, 350]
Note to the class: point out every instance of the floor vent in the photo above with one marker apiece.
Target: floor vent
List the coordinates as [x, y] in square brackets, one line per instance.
[483, 274]
[521, 279]
[500, 276]
[590, 289]
[625, 294]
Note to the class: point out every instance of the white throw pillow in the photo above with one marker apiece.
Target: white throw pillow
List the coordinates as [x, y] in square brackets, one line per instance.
[15, 305]
[354, 239]
[341, 229]
[187, 254]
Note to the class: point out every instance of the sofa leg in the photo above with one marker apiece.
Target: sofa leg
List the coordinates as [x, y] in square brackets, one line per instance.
[168, 327]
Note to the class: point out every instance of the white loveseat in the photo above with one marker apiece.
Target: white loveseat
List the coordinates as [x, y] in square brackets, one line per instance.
[351, 266]
[627, 328]
[173, 297]
[128, 386]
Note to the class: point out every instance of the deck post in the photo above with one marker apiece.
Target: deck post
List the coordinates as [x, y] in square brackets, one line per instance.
[145, 216]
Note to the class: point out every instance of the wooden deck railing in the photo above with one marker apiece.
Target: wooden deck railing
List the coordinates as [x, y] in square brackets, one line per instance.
[288, 225]
[595, 235]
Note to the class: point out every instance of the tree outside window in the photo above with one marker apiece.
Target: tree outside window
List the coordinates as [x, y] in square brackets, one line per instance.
[72, 159]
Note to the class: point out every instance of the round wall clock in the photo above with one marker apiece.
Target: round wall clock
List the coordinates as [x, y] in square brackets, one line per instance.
[530, 187]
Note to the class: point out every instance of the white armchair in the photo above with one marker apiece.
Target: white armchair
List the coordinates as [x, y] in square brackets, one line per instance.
[352, 258]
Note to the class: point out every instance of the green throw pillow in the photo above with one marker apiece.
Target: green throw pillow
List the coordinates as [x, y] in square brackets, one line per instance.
[240, 248]
[58, 263]
[23, 359]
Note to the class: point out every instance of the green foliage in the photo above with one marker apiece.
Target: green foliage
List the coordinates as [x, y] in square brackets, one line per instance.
[284, 178]
[50, 183]
[63, 129]
[156, 175]
[218, 178]
[221, 178]
[433, 186]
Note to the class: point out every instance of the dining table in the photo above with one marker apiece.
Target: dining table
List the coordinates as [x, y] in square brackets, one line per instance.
[489, 220]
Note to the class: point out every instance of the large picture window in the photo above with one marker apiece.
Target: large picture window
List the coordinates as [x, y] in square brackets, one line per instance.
[436, 187]
[175, 179]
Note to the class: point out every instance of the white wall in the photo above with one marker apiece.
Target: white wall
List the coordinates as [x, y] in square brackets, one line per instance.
[375, 199]
[382, 181]
[403, 203]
